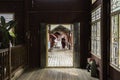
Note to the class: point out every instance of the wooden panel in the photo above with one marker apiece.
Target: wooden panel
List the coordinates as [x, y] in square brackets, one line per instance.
[34, 47]
[19, 57]
[12, 0]
[57, 17]
[114, 74]
[8, 6]
[74, 5]
[58, 12]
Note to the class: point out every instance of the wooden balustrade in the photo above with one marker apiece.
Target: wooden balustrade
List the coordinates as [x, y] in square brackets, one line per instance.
[4, 64]
[18, 57]
[11, 60]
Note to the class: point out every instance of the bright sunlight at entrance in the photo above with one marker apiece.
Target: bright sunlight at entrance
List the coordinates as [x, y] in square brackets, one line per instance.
[60, 45]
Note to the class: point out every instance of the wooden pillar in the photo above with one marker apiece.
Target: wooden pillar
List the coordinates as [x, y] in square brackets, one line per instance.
[76, 45]
[43, 45]
[9, 63]
[105, 38]
[84, 43]
[28, 5]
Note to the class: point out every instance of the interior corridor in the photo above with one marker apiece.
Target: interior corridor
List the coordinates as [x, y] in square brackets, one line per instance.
[41, 34]
[56, 74]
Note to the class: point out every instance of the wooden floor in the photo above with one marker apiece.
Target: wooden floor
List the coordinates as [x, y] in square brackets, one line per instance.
[60, 58]
[56, 74]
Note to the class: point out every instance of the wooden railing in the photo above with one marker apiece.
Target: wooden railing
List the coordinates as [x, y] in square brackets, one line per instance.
[18, 58]
[11, 60]
[4, 64]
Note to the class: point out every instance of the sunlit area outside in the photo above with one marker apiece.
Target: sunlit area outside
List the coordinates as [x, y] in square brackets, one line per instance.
[60, 45]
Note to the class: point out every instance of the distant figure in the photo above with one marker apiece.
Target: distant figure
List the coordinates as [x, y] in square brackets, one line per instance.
[63, 43]
[55, 43]
[59, 43]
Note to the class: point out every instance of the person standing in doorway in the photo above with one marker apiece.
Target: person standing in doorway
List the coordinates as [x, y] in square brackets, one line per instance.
[63, 43]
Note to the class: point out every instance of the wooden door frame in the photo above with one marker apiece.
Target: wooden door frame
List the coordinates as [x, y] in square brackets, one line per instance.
[47, 49]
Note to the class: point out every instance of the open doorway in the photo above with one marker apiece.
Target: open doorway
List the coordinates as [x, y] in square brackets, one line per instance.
[60, 45]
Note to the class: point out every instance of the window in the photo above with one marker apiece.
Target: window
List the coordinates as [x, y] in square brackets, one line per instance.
[114, 40]
[115, 33]
[115, 5]
[8, 17]
[93, 1]
[95, 32]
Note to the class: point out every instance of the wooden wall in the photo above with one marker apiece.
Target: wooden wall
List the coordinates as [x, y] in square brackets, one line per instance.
[55, 12]
[58, 11]
[107, 72]
[34, 47]
[114, 74]
[29, 17]
[97, 59]
[18, 57]
[84, 42]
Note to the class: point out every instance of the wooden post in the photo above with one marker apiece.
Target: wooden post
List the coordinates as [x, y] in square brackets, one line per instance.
[105, 38]
[9, 64]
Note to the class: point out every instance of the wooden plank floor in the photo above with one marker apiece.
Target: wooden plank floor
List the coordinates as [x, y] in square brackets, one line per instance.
[60, 58]
[56, 74]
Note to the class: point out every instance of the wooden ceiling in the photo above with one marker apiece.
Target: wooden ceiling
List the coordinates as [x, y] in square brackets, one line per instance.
[50, 11]
[59, 11]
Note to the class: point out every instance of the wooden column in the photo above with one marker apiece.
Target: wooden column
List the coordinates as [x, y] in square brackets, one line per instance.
[43, 45]
[28, 6]
[84, 43]
[9, 63]
[76, 43]
[105, 38]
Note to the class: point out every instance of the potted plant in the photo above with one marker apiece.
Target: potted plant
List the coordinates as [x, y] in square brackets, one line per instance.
[6, 35]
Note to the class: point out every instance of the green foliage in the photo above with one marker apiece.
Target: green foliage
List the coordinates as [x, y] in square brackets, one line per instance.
[5, 28]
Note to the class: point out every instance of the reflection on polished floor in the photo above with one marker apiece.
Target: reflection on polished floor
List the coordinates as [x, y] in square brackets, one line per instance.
[56, 74]
[60, 58]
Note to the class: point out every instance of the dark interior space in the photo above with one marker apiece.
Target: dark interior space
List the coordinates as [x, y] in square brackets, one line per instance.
[96, 26]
